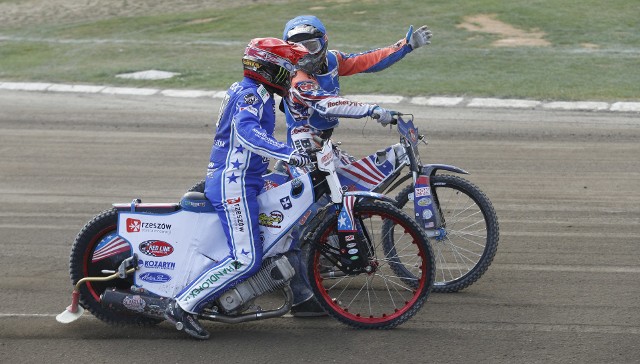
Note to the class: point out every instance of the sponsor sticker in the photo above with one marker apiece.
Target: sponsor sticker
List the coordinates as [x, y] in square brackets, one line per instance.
[286, 202]
[353, 251]
[351, 245]
[156, 264]
[426, 214]
[272, 220]
[422, 191]
[304, 218]
[349, 237]
[134, 303]
[424, 201]
[136, 226]
[250, 99]
[156, 248]
[155, 277]
[133, 225]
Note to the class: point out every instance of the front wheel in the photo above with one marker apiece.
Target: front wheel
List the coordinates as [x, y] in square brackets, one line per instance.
[379, 298]
[468, 238]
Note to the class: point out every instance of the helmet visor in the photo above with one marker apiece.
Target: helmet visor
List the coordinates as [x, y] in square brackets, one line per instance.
[313, 45]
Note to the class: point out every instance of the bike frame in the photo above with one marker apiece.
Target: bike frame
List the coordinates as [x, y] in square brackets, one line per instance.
[194, 222]
[382, 172]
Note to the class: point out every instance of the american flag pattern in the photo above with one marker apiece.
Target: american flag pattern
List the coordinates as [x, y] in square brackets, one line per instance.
[345, 219]
[110, 246]
[365, 173]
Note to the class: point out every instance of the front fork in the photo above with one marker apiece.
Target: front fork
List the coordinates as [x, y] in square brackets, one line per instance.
[427, 212]
[427, 209]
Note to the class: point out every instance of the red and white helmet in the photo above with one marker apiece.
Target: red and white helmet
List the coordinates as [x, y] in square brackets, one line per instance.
[271, 61]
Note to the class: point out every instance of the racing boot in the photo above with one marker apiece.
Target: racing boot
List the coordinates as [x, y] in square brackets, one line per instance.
[185, 321]
[309, 308]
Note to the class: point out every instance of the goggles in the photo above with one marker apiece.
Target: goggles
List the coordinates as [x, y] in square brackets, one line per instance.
[313, 45]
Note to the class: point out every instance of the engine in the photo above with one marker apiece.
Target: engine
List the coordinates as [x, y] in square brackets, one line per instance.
[274, 274]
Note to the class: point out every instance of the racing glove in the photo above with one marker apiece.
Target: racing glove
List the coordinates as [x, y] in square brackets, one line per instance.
[299, 159]
[419, 38]
[383, 116]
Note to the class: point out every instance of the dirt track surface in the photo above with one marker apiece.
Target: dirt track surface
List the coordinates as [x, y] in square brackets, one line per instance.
[563, 287]
[26, 12]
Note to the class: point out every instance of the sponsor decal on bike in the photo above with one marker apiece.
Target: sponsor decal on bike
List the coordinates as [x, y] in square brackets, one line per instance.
[156, 248]
[155, 277]
[133, 225]
[134, 303]
[422, 191]
[352, 251]
[268, 184]
[297, 187]
[286, 203]
[304, 217]
[413, 135]
[426, 214]
[351, 245]
[272, 220]
[349, 238]
[424, 201]
[138, 226]
[156, 264]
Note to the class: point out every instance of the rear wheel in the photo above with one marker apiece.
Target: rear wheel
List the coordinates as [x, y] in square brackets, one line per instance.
[468, 237]
[98, 247]
[379, 299]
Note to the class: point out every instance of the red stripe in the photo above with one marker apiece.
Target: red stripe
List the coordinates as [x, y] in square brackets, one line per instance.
[368, 172]
[116, 252]
[108, 252]
[373, 168]
[361, 177]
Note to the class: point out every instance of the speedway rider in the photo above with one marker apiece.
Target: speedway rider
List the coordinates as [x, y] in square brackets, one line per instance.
[242, 146]
[314, 104]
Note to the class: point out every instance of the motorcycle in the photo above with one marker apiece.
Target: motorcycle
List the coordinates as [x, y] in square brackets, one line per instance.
[129, 261]
[456, 215]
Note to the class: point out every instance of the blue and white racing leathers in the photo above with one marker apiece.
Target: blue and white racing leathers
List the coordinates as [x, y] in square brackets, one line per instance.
[240, 155]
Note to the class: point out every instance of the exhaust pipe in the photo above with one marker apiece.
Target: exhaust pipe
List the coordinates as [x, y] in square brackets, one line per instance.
[138, 303]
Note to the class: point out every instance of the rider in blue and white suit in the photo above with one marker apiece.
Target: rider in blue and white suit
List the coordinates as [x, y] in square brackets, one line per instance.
[240, 155]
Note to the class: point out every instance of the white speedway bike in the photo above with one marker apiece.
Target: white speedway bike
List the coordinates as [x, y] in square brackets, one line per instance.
[128, 261]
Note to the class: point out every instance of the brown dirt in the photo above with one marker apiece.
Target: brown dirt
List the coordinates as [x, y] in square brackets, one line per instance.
[511, 36]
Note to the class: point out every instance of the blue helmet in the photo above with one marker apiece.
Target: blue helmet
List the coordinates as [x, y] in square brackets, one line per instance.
[308, 31]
